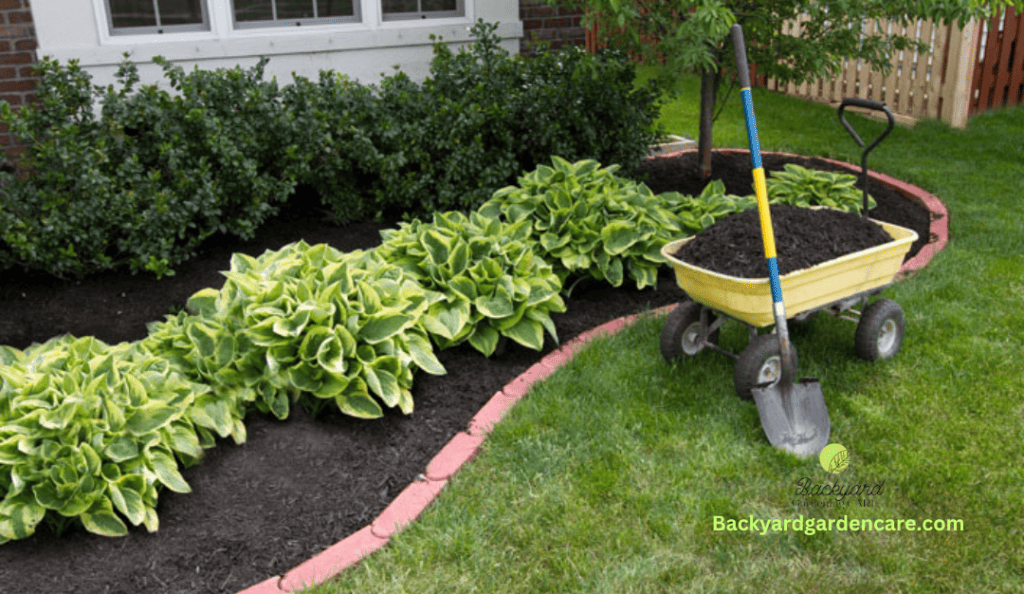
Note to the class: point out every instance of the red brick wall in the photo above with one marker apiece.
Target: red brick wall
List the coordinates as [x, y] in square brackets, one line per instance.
[17, 56]
[558, 26]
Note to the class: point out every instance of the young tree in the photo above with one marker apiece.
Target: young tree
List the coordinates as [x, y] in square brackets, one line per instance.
[693, 36]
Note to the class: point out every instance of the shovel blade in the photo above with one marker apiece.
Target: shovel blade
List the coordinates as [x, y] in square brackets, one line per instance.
[794, 416]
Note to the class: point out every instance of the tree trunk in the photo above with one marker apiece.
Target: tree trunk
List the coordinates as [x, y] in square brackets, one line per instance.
[708, 88]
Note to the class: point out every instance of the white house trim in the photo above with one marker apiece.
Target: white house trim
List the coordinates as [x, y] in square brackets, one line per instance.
[78, 29]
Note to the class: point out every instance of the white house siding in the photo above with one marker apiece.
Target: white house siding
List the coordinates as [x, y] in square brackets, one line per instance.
[77, 29]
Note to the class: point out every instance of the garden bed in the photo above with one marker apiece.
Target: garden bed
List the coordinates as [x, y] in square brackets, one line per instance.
[299, 486]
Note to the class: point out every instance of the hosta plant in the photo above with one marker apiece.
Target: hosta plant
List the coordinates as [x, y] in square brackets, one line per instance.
[306, 322]
[798, 186]
[697, 213]
[89, 433]
[491, 281]
[588, 222]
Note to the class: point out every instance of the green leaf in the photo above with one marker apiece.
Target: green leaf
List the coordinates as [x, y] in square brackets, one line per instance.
[203, 336]
[438, 245]
[447, 319]
[359, 405]
[19, 517]
[166, 470]
[121, 448]
[422, 354]
[498, 305]
[618, 236]
[528, 333]
[129, 502]
[484, 339]
[203, 303]
[100, 519]
[382, 326]
[211, 412]
[614, 272]
[150, 417]
[293, 325]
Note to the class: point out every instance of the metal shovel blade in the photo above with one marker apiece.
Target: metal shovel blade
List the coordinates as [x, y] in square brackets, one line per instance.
[794, 415]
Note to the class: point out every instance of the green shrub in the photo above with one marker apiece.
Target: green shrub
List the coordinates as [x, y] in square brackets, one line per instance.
[483, 116]
[329, 129]
[148, 181]
[588, 222]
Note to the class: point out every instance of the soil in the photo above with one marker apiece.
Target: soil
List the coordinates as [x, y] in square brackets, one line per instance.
[298, 486]
[803, 238]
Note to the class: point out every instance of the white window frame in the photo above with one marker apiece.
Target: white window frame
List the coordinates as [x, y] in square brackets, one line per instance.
[156, 29]
[220, 19]
[460, 10]
[316, 20]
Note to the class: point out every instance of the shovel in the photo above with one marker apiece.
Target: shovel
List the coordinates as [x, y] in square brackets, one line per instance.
[793, 415]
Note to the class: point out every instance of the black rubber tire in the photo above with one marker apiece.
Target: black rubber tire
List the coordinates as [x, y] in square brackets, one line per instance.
[674, 333]
[880, 330]
[759, 352]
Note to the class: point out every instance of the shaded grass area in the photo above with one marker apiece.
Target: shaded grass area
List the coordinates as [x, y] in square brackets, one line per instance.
[608, 476]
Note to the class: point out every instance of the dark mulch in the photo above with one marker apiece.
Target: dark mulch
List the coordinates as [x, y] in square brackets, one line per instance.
[803, 238]
[299, 486]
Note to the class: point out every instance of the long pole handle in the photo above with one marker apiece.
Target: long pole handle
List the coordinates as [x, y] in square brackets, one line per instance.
[767, 235]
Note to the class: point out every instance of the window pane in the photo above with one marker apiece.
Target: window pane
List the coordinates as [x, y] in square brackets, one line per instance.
[180, 12]
[400, 6]
[432, 5]
[253, 10]
[329, 8]
[132, 13]
[294, 9]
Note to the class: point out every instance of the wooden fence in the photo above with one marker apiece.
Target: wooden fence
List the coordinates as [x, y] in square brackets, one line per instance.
[999, 67]
[967, 70]
[918, 85]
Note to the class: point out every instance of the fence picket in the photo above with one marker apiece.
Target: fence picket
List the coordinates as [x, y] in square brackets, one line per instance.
[922, 72]
[1016, 89]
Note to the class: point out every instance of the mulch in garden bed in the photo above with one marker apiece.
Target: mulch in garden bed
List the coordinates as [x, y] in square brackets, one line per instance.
[298, 486]
[803, 237]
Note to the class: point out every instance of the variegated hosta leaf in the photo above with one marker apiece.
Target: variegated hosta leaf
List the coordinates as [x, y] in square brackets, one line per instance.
[481, 267]
[587, 221]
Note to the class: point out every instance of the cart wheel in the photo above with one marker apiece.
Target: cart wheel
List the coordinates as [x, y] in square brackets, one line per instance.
[880, 330]
[681, 333]
[758, 364]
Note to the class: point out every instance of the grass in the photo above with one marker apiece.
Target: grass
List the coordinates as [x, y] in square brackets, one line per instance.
[608, 476]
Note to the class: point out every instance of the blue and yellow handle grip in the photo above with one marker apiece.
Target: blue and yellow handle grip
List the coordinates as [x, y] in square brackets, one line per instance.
[755, 157]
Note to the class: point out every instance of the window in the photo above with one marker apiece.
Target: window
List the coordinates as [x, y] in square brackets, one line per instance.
[147, 17]
[269, 13]
[420, 9]
[132, 17]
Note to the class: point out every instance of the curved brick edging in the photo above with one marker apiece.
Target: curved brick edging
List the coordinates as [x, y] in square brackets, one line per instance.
[465, 444]
[418, 495]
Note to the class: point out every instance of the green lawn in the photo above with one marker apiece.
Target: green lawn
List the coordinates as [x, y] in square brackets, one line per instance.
[608, 476]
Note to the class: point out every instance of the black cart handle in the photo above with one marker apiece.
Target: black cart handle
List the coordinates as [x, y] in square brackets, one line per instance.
[867, 104]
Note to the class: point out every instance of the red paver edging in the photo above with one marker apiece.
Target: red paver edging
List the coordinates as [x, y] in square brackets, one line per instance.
[463, 447]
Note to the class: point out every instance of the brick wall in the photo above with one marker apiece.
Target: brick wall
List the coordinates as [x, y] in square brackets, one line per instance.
[557, 26]
[17, 56]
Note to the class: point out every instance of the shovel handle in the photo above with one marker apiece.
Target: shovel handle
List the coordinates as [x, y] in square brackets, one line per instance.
[760, 189]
